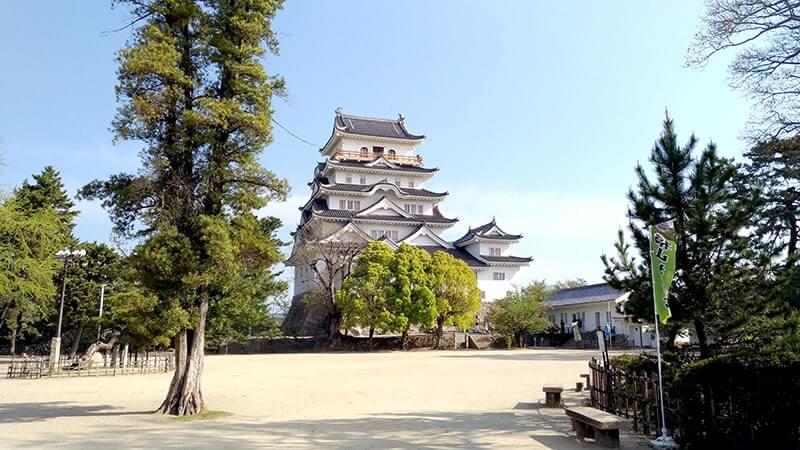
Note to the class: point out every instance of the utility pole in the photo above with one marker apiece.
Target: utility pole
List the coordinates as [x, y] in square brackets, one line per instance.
[100, 316]
[55, 344]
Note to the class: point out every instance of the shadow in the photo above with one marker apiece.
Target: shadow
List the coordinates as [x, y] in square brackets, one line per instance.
[534, 428]
[530, 355]
[35, 412]
[528, 405]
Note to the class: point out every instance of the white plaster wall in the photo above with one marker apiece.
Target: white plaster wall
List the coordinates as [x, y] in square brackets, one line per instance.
[340, 176]
[354, 145]
[589, 311]
[495, 289]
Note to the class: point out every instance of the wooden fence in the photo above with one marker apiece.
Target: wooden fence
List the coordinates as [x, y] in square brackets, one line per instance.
[631, 395]
[39, 366]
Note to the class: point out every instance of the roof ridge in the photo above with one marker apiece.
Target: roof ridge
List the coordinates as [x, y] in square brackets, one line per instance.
[587, 286]
[380, 119]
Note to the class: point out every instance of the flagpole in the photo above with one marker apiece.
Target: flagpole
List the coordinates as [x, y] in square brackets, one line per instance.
[663, 441]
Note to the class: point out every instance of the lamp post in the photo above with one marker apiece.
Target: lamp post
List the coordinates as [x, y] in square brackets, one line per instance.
[67, 256]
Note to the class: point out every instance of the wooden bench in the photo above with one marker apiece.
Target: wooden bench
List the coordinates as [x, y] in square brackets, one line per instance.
[552, 395]
[593, 423]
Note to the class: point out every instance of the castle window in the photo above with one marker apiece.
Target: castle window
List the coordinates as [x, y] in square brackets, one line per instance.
[348, 179]
[498, 276]
[495, 251]
[398, 182]
[378, 150]
[411, 183]
[342, 204]
[483, 295]
[363, 180]
[353, 205]
[411, 209]
[364, 152]
[420, 210]
[392, 153]
[377, 234]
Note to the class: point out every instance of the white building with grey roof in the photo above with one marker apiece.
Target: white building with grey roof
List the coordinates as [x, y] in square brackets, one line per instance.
[594, 306]
[371, 186]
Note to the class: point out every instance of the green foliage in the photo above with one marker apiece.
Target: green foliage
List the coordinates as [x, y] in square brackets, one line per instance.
[47, 192]
[455, 287]
[364, 295]
[411, 295]
[193, 88]
[29, 239]
[521, 311]
[716, 278]
[100, 265]
[643, 363]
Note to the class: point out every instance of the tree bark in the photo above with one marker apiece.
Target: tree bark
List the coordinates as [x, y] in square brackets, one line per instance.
[13, 347]
[439, 331]
[404, 339]
[184, 396]
[76, 341]
[371, 332]
[702, 339]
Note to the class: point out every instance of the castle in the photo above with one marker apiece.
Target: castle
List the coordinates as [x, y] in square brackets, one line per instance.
[371, 186]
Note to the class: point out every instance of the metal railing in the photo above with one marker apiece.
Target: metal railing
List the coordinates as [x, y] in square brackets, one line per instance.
[415, 160]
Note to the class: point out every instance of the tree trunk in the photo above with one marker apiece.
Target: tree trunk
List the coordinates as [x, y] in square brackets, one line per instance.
[184, 396]
[439, 331]
[404, 339]
[371, 332]
[13, 348]
[519, 339]
[334, 323]
[702, 339]
[76, 341]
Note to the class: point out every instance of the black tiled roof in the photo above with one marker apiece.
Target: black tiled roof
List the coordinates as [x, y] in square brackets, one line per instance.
[320, 208]
[363, 165]
[459, 253]
[368, 126]
[592, 293]
[368, 187]
[481, 232]
[511, 259]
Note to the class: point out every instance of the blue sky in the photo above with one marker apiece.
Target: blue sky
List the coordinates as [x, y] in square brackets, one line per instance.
[535, 112]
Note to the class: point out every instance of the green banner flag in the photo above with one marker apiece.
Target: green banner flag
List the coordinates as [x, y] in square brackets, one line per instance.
[663, 246]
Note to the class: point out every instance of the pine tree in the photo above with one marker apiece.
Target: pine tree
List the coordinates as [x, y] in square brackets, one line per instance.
[192, 88]
[714, 269]
[47, 192]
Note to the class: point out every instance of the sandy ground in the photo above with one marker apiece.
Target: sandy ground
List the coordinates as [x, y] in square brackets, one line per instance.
[426, 400]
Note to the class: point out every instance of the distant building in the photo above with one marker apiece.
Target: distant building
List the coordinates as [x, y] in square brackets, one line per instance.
[371, 186]
[594, 306]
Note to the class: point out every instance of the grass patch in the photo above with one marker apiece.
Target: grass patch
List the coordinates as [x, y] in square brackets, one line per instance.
[206, 414]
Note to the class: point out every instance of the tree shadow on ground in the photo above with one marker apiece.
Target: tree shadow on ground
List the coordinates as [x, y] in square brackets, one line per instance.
[35, 412]
[530, 355]
[536, 428]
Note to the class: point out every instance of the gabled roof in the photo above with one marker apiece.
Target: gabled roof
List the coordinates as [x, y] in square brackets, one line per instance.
[319, 207]
[367, 188]
[384, 203]
[425, 231]
[592, 293]
[486, 231]
[372, 126]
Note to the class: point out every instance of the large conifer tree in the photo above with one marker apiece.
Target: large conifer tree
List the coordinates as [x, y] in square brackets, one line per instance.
[710, 291]
[192, 88]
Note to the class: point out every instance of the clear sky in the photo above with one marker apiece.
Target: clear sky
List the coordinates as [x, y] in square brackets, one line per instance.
[535, 112]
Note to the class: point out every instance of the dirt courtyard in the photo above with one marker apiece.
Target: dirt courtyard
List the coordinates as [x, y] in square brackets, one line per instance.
[426, 400]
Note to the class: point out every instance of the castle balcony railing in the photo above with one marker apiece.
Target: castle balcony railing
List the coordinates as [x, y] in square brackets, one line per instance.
[414, 160]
